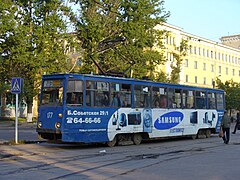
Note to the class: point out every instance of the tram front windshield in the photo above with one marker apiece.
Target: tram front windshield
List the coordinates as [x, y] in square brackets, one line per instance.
[52, 93]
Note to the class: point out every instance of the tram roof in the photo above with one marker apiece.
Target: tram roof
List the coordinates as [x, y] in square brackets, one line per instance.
[114, 78]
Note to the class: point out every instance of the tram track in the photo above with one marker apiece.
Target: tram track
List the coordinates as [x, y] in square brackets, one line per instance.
[168, 152]
[172, 155]
[20, 157]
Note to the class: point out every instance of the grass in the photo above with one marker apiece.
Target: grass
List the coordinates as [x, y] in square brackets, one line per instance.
[20, 142]
[12, 119]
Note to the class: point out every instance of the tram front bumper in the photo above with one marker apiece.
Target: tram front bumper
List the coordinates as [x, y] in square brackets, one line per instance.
[51, 131]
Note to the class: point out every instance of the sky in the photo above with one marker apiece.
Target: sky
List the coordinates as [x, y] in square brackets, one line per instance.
[210, 19]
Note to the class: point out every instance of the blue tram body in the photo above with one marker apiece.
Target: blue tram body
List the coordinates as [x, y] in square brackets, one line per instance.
[92, 109]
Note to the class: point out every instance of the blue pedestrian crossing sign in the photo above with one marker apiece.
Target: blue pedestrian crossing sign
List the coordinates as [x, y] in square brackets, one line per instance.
[16, 85]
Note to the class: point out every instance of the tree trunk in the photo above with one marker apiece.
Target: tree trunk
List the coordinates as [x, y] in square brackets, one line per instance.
[3, 108]
[29, 109]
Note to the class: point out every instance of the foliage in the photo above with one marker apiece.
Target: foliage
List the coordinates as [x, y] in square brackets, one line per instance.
[178, 54]
[119, 35]
[232, 90]
[32, 36]
[178, 57]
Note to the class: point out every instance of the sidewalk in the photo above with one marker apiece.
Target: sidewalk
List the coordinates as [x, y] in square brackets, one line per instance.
[26, 132]
[9, 124]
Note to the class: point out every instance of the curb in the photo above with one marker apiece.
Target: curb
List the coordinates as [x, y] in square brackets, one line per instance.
[21, 142]
[12, 124]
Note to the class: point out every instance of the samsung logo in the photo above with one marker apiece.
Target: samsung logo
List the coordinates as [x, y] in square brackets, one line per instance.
[168, 120]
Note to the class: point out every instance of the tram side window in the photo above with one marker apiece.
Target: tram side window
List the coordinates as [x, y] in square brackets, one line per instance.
[75, 93]
[200, 100]
[159, 97]
[211, 101]
[178, 98]
[142, 96]
[121, 95]
[171, 98]
[220, 101]
[174, 98]
[188, 99]
[97, 94]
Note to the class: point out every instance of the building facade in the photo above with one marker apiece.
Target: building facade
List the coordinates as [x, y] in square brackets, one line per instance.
[205, 61]
[233, 41]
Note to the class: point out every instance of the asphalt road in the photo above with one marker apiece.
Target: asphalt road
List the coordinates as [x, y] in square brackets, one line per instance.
[26, 132]
[180, 159]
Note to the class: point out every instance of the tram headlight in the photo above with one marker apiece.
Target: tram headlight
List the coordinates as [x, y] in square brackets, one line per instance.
[60, 115]
[57, 125]
[39, 124]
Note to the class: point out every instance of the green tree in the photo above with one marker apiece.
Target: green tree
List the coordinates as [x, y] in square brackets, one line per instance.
[178, 56]
[232, 90]
[120, 35]
[34, 42]
[7, 24]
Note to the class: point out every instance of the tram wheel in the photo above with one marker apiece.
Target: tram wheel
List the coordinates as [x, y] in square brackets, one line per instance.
[194, 136]
[202, 134]
[208, 133]
[112, 143]
[137, 139]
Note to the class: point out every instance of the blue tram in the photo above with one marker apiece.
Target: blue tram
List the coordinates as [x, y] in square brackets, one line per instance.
[101, 109]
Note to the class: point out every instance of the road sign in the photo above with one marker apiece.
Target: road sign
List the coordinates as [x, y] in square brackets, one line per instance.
[16, 85]
[16, 89]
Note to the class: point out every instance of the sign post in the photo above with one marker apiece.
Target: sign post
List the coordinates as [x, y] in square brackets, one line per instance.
[16, 89]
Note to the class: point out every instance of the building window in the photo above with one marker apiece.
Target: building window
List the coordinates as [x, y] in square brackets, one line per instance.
[204, 80]
[211, 54]
[170, 57]
[173, 41]
[204, 66]
[212, 67]
[238, 73]
[229, 58]
[199, 51]
[233, 72]
[226, 70]
[195, 64]
[186, 62]
[207, 53]
[222, 56]
[195, 50]
[215, 55]
[219, 69]
[219, 56]
[195, 79]
[186, 78]
[226, 58]
[203, 52]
